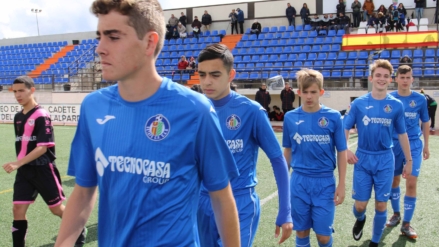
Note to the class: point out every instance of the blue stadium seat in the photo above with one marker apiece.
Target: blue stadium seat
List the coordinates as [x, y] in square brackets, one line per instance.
[303, 34]
[430, 63]
[256, 43]
[279, 65]
[340, 33]
[253, 37]
[437, 53]
[278, 50]
[286, 35]
[261, 36]
[295, 35]
[254, 76]
[283, 57]
[298, 28]
[306, 48]
[290, 28]
[347, 74]
[263, 59]
[349, 64]
[339, 64]
[342, 55]
[259, 65]
[417, 72]
[273, 74]
[244, 76]
[282, 29]
[269, 36]
[246, 59]
[308, 64]
[297, 49]
[265, 30]
[316, 48]
[288, 49]
[312, 34]
[326, 48]
[331, 33]
[302, 57]
[328, 40]
[322, 56]
[240, 44]
[292, 57]
[336, 74]
[407, 53]
[361, 64]
[307, 27]
[359, 73]
[385, 54]
[264, 75]
[241, 66]
[238, 59]
[328, 65]
[352, 55]
[418, 53]
[430, 53]
[255, 58]
[285, 74]
[429, 73]
[332, 56]
[265, 43]
[319, 41]
[298, 64]
[260, 51]
[338, 40]
[395, 54]
[395, 63]
[214, 33]
[269, 50]
[312, 56]
[375, 56]
[273, 58]
[363, 55]
[282, 42]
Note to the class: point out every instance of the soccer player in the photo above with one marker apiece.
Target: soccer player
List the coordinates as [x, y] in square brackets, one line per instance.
[146, 143]
[311, 134]
[415, 106]
[377, 115]
[35, 165]
[245, 127]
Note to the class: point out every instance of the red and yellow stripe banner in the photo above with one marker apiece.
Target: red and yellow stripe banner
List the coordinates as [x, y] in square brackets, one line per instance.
[389, 40]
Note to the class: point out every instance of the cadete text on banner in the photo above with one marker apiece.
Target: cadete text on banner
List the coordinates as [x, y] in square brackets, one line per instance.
[59, 113]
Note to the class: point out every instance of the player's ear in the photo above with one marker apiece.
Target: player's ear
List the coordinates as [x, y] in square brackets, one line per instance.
[232, 75]
[298, 92]
[151, 39]
[32, 89]
[322, 91]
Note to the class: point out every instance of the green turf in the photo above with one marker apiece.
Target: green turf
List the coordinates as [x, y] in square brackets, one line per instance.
[43, 226]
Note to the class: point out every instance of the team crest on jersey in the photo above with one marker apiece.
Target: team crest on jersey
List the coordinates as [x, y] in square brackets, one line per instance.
[323, 122]
[233, 122]
[157, 127]
[387, 108]
[31, 122]
[412, 104]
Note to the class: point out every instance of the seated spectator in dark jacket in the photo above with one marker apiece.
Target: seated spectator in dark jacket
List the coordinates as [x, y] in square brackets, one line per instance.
[196, 27]
[276, 114]
[372, 21]
[193, 63]
[343, 21]
[381, 22]
[333, 22]
[169, 29]
[256, 28]
[183, 19]
[175, 34]
[341, 7]
[325, 22]
[183, 63]
[315, 23]
[206, 20]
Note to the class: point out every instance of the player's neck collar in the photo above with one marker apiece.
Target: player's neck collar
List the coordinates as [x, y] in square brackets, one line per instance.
[223, 101]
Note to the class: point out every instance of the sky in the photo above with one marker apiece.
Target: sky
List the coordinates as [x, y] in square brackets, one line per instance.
[62, 16]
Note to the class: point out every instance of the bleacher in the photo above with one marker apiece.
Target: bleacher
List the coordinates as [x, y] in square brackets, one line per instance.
[285, 50]
[173, 49]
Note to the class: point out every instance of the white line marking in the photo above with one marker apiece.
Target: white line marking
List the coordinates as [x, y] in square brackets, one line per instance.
[274, 194]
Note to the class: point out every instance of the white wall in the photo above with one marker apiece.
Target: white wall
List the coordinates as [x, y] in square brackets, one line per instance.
[329, 5]
[277, 8]
[219, 13]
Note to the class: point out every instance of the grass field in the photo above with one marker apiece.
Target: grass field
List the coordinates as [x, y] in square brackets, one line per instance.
[43, 226]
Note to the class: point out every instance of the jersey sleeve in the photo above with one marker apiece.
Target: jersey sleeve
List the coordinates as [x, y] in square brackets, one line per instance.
[81, 162]
[424, 111]
[349, 117]
[216, 163]
[339, 135]
[286, 141]
[264, 135]
[44, 131]
[400, 119]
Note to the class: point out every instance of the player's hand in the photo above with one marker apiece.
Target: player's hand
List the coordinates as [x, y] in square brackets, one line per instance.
[287, 229]
[352, 158]
[339, 195]
[407, 171]
[11, 166]
[426, 153]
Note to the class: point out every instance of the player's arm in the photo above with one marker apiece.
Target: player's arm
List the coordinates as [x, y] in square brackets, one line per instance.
[288, 157]
[351, 157]
[78, 210]
[341, 188]
[33, 155]
[426, 134]
[405, 145]
[226, 216]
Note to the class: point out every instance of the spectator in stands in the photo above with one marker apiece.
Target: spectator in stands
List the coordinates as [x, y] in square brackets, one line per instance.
[325, 22]
[183, 63]
[382, 9]
[392, 18]
[373, 20]
[183, 19]
[197, 88]
[343, 22]
[181, 30]
[304, 13]
[290, 12]
[333, 20]
[368, 8]
[276, 114]
[234, 21]
[169, 30]
[315, 23]
[240, 20]
[287, 97]
[406, 60]
[173, 21]
[175, 34]
[380, 23]
[256, 28]
[196, 27]
[432, 107]
[263, 97]
[206, 20]
[341, 8]
[402, 14]
[193, 63]
[356, 12]
[419, 8]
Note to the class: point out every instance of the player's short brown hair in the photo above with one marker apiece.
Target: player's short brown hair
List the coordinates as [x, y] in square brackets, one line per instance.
[382, 63]
[307, 77]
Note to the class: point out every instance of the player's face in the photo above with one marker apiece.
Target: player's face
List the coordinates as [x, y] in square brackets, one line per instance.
[310, 97]
[381, 79]
[22, 94]
[404, 80]
[122, 54]
[214, 78]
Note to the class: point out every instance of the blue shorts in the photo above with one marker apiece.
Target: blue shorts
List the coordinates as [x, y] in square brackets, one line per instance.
[247, 202]
[312, 203]
[373, 170]
[416, 147]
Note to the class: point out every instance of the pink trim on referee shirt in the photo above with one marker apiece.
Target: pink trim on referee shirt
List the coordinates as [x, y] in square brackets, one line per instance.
[23, 202]
[58, 184]
[48, 144]
[28, 130]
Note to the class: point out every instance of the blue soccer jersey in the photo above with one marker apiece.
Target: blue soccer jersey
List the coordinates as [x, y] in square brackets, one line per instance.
[148, 159]
[245, 127]
[377, 120]
[313, 138]
[415, 108]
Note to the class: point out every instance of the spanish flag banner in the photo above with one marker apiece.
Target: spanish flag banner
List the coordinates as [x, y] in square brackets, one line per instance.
[389, 40]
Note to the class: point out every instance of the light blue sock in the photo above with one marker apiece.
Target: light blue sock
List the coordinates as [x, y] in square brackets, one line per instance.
[409, 208]
[329, 244]
[302, 242]
[379, 223]
[358, 215]
[394, 199]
